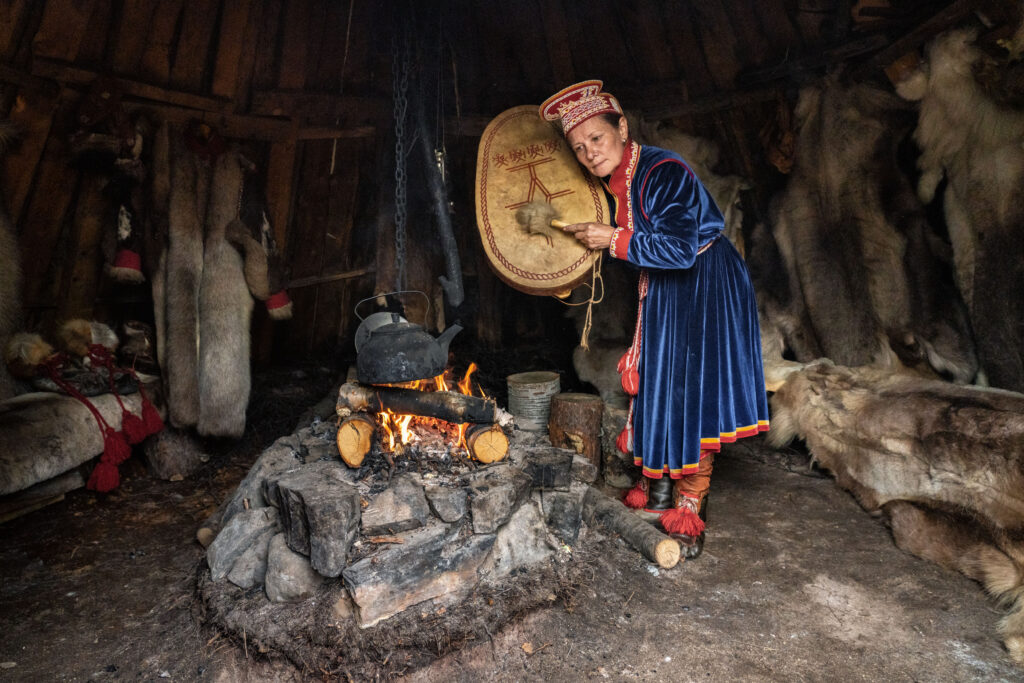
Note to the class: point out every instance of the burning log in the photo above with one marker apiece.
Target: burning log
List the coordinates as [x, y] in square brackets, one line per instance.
[487, 443]
[355, 436]
[613, 515]
[443, 405]
[575, 423]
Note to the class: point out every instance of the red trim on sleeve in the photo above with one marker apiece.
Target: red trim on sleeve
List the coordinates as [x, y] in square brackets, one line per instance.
[619, 247]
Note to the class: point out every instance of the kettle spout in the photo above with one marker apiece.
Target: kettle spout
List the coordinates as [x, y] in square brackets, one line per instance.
[445, 337]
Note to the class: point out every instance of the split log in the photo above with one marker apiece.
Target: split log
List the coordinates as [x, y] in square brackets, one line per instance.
[613, 515]
[487, 443]
[355, 436]
[443, 405]
[575, 423]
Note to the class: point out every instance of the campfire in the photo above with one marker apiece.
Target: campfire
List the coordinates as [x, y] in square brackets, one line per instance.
[396, 416]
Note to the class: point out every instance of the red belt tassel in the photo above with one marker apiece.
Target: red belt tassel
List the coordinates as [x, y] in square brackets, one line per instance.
[629, 367]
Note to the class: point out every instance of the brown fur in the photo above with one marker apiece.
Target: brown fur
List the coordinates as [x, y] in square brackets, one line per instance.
[225, 308]
[865, 270]
[188, 194]
[76, 335]
[976, 144]
[24, 352]
[945, 462]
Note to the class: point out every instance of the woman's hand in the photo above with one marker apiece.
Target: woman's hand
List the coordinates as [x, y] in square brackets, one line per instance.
[591, 235]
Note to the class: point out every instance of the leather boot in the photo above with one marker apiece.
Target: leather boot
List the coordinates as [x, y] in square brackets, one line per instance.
[659, 495]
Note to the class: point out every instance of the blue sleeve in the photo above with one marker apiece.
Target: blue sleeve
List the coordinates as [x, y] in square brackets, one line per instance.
[674, 205]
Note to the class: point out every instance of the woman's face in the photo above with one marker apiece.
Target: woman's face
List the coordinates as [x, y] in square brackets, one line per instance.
[599, 145]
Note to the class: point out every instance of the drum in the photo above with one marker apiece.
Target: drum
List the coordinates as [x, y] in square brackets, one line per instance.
[523, 159]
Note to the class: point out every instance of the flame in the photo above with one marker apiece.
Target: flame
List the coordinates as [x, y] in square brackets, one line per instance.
[398, 429]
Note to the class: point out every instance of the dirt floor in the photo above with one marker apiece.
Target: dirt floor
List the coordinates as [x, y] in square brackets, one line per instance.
[796, 583]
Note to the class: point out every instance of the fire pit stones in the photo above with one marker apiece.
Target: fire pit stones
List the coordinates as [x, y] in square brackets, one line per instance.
[436, 531]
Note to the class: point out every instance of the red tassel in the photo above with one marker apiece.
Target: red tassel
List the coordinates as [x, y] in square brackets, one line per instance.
[623, 362]
[637, 496]
[133, 428]
[622, 442]
[104, 478]
[631, 381]
[682, 520]
[115, 449]
[151, 419]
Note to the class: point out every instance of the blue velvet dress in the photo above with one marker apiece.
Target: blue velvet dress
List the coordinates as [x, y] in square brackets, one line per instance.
[698, 377]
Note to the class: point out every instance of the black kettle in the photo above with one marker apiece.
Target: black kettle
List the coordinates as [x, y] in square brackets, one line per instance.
[401, 351]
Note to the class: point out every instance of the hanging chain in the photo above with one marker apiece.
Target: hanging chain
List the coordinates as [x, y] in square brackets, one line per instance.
[399, 89]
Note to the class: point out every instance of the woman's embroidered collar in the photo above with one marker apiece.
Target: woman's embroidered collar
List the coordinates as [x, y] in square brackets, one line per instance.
[620, 182]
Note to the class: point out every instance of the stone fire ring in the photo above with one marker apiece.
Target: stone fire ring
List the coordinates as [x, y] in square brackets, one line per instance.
[345, 569]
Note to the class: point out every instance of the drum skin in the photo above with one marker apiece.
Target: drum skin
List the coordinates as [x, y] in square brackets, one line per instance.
[523, 158]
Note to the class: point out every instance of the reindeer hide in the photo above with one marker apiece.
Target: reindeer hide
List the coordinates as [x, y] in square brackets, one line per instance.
[978, 146]
[945, 462]
[225, 308]
[187, 200]
[865, 269]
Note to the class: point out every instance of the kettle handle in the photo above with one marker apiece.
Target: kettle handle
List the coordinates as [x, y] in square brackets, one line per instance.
[355, 309]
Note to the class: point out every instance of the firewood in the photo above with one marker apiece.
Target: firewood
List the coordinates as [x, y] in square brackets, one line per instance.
[355, 436]
[443, 405]
[575, 423]
[613, 515]
[487, 443]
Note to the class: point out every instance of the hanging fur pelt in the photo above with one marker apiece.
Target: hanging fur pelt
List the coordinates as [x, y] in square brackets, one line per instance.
[944, 462]
[10, 275]
[865, 269]
[225, 309]
[977, 144]
[189, 190]
[160, 189]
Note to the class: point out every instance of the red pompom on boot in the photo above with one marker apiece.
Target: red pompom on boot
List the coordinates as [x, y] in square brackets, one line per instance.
[683, 520]
[636, 498]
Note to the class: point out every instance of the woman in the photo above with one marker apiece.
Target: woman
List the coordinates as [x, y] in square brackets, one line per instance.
[694, 368]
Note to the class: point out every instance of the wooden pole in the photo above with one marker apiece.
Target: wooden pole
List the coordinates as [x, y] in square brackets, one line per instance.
[613, 515]
[575, 423]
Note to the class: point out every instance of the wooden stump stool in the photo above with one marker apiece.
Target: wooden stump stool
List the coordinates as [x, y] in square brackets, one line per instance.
[575, 423]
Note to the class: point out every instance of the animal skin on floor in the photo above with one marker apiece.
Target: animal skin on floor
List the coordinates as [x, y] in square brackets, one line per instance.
[944, 462]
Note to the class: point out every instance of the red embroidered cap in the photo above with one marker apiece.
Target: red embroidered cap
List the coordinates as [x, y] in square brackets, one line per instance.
[577, 103]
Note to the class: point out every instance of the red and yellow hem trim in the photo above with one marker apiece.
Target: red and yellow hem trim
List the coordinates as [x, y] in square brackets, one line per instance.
[712, 444]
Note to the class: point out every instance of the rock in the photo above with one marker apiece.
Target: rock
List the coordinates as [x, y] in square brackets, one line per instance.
[289, 575]
[205, 536]
[343, 609]
[551, 469]
[251, 568]
[238, 534]
[494, 494]
[321, 451]
[172, 454]
[279, 457]
[319, 513]
[520, 543]
[447, 502]
[401, 507]
[563, 512]
[428, 565]
[584, 470]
